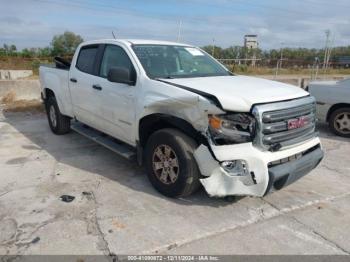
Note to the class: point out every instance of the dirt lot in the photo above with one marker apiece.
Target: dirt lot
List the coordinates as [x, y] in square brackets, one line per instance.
[116, 210]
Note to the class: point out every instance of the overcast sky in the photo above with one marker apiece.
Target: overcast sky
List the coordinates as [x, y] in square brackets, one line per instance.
[295, 23]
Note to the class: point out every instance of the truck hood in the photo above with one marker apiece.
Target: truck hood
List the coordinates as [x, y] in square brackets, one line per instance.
[239, 93]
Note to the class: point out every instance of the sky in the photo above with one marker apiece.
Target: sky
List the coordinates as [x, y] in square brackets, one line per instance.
[278, 23]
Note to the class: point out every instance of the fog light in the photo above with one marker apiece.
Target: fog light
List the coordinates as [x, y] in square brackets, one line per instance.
[235, 167]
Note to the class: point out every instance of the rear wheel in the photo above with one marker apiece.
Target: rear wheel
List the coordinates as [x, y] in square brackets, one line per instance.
[170, 164]
[339, 122]
[59, 124]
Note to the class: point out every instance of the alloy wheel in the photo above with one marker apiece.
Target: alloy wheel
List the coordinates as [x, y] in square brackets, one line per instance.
[53, 118]
[342, 123]
[165, 164]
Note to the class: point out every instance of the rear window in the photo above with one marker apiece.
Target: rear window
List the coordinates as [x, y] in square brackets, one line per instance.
[86, 59]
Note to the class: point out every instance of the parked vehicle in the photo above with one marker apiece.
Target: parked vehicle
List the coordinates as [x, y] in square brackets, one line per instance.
[333, 104]
[341, 62]
[184, 116]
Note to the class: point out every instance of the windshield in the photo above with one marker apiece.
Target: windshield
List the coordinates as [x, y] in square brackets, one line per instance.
[169, 61]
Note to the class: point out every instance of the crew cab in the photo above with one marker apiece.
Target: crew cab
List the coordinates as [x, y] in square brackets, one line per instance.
[184, 116]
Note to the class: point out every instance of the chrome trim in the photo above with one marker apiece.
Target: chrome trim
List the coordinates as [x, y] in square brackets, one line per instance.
[272, 122]
[274, 116]
[287, 135]
[269, 128]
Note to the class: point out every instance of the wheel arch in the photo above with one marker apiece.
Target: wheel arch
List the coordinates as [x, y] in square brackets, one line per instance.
[47, 92]
[63, 104]
[336, 107]
[154, 122]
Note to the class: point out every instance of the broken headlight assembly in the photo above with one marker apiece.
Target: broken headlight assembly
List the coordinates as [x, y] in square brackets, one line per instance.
[232, 128]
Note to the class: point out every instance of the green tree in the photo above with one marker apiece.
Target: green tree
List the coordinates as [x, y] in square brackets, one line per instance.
[44, 52]
[26, 52]
[6, 48]
[216, 49]
[10, 50]
[65, 44]
[13, 48]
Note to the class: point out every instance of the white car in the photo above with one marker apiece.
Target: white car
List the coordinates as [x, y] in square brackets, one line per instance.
[333, 104]
[184, 116]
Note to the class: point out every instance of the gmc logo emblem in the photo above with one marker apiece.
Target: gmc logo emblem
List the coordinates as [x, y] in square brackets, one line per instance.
[297, 123]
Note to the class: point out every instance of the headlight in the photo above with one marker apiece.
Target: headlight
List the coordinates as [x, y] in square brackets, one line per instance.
[232, 128]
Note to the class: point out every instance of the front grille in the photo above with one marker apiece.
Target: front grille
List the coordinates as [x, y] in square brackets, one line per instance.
[273, 122]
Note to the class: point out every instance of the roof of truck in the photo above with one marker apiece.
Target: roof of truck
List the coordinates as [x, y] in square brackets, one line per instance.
[136, 42]
[153, 42]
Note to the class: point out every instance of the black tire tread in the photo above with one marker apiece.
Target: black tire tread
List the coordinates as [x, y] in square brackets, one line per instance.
[188, 145]
[331, 121]
[63, 122]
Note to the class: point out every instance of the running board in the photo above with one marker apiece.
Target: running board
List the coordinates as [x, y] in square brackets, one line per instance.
[111, 143]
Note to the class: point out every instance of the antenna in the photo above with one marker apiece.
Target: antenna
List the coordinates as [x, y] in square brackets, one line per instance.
[113, 35]
[179, 31]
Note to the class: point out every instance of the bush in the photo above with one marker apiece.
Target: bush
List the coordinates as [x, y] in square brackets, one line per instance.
[35, 66]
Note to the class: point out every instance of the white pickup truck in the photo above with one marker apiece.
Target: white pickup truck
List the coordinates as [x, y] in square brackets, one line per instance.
[184, 116]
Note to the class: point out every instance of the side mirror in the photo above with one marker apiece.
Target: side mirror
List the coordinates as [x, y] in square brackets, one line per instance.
[121, 75]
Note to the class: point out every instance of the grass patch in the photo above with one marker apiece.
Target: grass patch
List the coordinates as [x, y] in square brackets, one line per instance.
[9, 98]
[12, 105]
[25, 106]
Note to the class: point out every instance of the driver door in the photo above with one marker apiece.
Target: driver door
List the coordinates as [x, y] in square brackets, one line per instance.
[117, 100]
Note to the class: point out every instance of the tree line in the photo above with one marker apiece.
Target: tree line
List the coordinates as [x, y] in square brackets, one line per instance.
[66, 43]
[307, 55]
[61, 45]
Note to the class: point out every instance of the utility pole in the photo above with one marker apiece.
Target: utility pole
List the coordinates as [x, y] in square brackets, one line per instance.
[237, 58]
[329, 52]
[326, 51]
[213, 51]
[179, 31]
[279, 62]
[281, 55]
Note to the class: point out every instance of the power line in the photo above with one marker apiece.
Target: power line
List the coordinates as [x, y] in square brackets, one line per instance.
[326, 3]
[112, 9]
[283, 12]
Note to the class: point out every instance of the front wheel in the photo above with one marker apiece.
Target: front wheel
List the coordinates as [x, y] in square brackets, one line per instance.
[339, 122]
[59, 124]
[170, 164]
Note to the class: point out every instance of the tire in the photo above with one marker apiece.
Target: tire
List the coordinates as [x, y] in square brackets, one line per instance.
[339, 122]
[181, 148]
[59, 124]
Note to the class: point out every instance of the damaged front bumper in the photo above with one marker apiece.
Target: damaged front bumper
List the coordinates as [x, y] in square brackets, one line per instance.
[265, 171]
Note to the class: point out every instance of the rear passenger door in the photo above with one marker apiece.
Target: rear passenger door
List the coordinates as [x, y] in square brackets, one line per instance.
[86, 104]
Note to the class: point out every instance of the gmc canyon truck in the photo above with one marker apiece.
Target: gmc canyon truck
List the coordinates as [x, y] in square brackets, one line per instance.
[184, 116]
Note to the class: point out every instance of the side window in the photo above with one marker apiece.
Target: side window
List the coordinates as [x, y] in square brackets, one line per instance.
[86, 59]
[114, 56]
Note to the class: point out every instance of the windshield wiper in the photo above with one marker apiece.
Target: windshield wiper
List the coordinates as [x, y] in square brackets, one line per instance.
[168, 77]
[163, 77]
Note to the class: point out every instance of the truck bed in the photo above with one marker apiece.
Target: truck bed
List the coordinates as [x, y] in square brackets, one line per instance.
[54, 66]
[57, 80]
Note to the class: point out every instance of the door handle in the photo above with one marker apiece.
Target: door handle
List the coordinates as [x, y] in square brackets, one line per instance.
[97, 87]
[73, 80]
